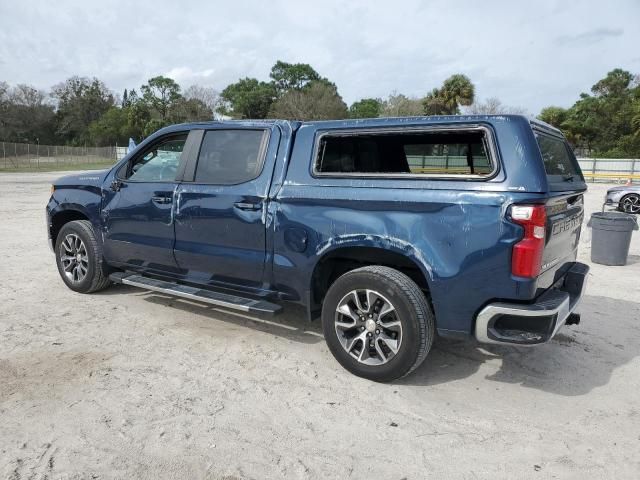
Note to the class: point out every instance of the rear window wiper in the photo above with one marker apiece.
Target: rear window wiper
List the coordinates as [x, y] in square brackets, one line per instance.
[568, 178]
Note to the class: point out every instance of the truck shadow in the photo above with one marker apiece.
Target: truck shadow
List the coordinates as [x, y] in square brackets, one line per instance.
[576, 361]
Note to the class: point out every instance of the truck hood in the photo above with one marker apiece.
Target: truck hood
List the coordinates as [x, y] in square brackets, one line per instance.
[93, 178]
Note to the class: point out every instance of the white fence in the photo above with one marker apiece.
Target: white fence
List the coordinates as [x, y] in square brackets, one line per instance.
[610, 169]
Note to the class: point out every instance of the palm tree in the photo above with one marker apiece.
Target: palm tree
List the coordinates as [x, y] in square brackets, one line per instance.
[456, 90]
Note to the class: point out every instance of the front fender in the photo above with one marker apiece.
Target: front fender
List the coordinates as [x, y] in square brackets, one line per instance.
[84, 202]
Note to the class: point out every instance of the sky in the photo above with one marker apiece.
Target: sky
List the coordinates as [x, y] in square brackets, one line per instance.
[527, 54]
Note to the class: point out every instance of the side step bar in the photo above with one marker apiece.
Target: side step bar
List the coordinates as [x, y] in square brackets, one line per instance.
[193, 293]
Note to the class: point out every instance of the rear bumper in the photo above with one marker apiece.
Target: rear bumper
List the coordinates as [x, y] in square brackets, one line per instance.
[533, 323]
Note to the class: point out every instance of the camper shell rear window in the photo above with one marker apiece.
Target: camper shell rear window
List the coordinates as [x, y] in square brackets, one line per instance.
[560, 164]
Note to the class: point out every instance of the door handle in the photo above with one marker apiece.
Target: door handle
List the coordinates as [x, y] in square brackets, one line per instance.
[160, 199]
[248, 206]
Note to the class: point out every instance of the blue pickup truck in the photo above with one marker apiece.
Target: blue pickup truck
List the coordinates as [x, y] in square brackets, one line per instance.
[390, 230]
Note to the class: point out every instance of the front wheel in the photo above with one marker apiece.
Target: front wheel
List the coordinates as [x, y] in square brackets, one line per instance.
[630, 203]
[79, 258]
[377, 323]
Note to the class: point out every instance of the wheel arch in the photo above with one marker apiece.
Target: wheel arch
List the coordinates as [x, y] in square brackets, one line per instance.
[63, 216]
[339, 260]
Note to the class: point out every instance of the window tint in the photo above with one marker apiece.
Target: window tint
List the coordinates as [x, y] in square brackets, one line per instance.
[443, 153]
[228, 157]
[159, 163]
[558, 162]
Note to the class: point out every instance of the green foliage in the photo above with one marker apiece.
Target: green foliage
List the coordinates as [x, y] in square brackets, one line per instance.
[81, 101]
[292, 76]
[317, 101]
[399, 105]
[152, 126]
[24, 115]
[113, 128]
[457, 90]
[555, 116]
[605, 122]
[366, 108]
[248, 98]
[161, 94]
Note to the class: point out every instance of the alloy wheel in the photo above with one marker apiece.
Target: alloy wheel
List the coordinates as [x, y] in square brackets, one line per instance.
[74, 258]
[368, 327]
[631, 204]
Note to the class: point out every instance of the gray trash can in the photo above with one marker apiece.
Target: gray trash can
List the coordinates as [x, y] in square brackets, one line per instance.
[611, 237]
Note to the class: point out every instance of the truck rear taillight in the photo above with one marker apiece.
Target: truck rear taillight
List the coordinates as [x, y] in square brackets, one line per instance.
[526, 260]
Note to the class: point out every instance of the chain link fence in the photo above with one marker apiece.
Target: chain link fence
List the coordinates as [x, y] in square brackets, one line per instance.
[33, 157]
[26, 157]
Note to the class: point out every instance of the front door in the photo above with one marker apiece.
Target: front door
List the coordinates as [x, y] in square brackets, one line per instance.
[138, 212]
[221, 209]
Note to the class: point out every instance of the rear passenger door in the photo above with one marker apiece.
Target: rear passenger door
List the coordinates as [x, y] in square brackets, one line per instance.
[221, 206]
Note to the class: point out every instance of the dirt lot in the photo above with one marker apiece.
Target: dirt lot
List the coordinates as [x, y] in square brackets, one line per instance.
[128, 384]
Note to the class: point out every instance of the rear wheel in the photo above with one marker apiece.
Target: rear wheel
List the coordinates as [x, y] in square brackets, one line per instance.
[79, 258]
[630, 203]
[377, 323]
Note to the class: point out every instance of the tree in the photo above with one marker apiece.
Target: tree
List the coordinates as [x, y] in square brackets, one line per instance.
[366, 108]
[456, 91]
[399, 105]
[493, 106]
[615, 83]
[248, 98]
[292, 76]
[113, 128]
[209, 96]
[161, 94]
[318, 101]
[192, 110]
[25, 116]
[138, 116]
[605, 122]
[80, 102]
[555, 116]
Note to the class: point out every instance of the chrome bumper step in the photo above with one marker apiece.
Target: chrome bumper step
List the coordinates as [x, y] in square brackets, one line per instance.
[537, 322]
[198, 294]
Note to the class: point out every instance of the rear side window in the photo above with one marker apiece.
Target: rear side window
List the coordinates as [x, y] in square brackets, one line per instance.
[412, 153]
[228, 157]
[559, 163]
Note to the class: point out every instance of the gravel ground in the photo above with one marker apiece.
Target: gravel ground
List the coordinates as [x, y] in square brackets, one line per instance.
[130, 384]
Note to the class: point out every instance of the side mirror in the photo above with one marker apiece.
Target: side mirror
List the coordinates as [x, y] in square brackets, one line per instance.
[115, 185]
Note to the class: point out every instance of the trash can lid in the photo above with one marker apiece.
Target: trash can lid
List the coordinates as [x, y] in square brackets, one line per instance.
[614, 220]
[615, 216]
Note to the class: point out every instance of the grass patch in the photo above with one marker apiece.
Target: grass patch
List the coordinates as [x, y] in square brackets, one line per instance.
[60, 167]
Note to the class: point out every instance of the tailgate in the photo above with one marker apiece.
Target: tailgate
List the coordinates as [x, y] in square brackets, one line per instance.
[564, 223]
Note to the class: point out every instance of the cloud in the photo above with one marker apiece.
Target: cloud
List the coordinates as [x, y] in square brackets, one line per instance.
[528, 54]
[590, 37]
[187, 76]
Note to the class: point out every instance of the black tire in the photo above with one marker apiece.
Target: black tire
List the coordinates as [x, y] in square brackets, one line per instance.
[627, 208]
[413, 311]
[97, 274]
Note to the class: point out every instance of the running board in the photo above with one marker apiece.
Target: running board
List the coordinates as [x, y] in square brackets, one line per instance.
[193, 293]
